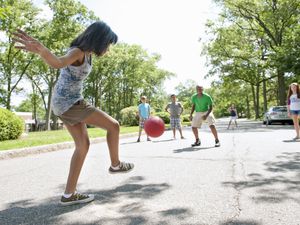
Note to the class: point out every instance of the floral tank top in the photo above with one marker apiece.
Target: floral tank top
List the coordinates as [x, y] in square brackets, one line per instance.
[68, 88]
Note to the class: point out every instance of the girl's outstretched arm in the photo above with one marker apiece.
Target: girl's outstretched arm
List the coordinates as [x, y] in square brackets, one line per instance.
[32, 45]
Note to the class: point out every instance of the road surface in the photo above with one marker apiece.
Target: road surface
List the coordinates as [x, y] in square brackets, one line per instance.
[252, 179]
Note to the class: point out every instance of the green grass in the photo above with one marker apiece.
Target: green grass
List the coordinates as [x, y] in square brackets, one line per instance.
[53, 137]
[59, 136]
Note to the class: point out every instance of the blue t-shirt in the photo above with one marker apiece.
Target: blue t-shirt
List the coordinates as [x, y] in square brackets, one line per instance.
[144, 109]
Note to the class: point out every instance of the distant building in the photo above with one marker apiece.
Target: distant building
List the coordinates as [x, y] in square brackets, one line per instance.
[40, 124]
[27, 117]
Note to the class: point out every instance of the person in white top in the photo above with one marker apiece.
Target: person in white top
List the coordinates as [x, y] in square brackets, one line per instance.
[294, 106]
[68, 103]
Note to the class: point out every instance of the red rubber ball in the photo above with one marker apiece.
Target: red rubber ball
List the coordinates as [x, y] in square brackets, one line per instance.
[154, 126]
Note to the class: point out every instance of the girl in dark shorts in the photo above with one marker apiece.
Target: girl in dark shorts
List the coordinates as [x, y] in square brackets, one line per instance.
[68, 103]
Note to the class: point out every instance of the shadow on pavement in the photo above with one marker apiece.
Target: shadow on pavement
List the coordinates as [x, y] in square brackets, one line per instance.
[283, 184]
[240, 222]
[166, 140]
[131, 212]
[247, 126]
[128, 143]
[291, 141]
[131, 189]
[154, 141]
[191, 149]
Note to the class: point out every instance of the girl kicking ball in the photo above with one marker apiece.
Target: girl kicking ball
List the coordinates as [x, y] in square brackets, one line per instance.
[68, 103]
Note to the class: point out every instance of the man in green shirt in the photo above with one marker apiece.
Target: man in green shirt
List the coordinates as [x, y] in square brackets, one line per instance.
[203, 105]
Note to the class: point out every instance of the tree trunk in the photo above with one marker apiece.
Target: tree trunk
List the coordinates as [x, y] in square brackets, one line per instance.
[49, 109]
[8, 97]
[34, 105]
[100, 97]
[8, 106]
[281, 88]
[96, 97]
[265, 96]
[248, 108]
[257, 102]
[253, 97]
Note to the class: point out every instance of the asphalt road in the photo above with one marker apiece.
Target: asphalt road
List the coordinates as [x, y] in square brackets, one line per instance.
[252, 179]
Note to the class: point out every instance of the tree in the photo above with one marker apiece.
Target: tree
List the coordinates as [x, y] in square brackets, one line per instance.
[69, 19]
[275, 19]
[237, 55]
[33, 104]
[14, 63]
[185, 92]
[121, 76]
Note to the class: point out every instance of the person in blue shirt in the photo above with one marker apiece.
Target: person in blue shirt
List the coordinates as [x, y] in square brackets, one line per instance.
[144, 114]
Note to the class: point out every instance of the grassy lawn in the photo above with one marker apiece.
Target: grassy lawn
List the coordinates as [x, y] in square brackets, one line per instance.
[53, 137]
[58, 136]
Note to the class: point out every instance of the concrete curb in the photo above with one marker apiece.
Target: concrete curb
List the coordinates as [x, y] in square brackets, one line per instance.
[22, 152]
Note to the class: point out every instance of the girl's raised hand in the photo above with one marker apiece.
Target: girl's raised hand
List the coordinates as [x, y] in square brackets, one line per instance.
[28, 43]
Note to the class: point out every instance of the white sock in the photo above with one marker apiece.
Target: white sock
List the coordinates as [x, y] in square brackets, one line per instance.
[115, 167]
[67, 195]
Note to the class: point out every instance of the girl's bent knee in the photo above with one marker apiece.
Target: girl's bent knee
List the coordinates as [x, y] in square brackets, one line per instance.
[116, 126]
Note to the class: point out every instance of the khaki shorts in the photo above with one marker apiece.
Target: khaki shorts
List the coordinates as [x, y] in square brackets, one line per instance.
[77, 113]
[198, 120]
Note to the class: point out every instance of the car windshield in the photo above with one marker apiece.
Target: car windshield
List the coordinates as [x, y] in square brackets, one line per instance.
[279, 109]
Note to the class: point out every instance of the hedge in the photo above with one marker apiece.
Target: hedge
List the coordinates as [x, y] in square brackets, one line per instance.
[11, 126]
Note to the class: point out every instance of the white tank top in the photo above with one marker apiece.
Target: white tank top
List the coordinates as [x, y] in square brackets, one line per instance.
[294, 102]
[68, 88]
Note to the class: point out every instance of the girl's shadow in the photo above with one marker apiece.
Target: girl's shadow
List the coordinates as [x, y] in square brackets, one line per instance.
[192, 149]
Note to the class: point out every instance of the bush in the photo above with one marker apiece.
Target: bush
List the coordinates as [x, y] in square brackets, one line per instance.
[129, 116]
[185, 118]
[164, 115]
[11, 126]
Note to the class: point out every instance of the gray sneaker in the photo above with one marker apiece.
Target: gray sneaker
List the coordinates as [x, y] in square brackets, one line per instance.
[217, 143]
[123, 168]
[76, 198]
[197, 143]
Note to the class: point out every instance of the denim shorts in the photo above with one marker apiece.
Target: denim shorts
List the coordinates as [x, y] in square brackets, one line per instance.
[295, 112]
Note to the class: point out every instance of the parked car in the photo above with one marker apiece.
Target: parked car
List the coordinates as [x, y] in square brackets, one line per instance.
[277, 114]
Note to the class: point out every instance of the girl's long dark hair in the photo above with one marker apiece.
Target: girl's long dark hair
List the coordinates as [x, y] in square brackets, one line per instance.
[96, 38]
[290, 92]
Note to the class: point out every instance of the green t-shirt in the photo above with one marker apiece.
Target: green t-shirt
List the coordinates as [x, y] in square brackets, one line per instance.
[202, 103]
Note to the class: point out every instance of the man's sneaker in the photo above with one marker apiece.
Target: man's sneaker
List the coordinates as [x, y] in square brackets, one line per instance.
[123, 168]
[138, 140]
[217, 143]
[197, 143]
[76, 198]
